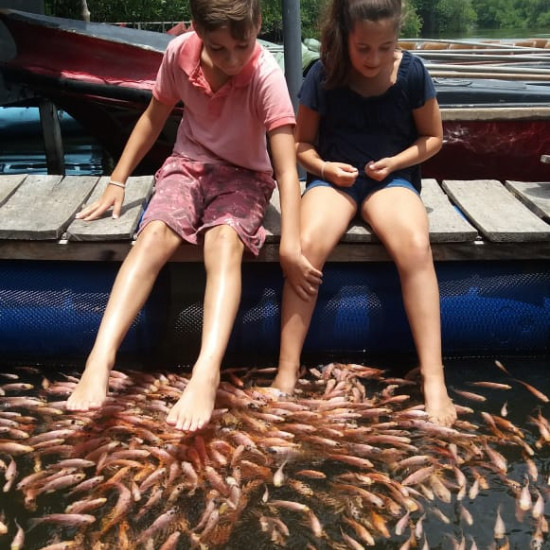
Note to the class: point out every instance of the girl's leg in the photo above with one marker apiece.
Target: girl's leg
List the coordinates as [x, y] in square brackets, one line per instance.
[223, 252]
[325, 216]
[399, 218]
[133, 284]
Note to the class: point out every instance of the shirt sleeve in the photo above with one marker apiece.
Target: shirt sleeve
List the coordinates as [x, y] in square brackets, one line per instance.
[275, 105]
[421, 85]
[311, 93]
[165, 89]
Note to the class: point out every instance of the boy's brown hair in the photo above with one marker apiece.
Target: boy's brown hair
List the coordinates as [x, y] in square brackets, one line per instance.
[240, 16]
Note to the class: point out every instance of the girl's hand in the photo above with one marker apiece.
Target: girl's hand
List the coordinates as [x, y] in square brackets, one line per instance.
[340, 173]
[113, 196]
[380, 169]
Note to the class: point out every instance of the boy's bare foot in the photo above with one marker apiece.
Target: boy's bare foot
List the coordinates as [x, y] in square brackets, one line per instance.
[286, 378]
[194, 408]
[91, 391]
[438, 404]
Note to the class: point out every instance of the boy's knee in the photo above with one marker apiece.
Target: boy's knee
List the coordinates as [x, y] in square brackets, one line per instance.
[156, 234]
[223, 237]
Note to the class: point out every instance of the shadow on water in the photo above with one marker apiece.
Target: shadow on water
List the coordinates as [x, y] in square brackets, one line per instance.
[349, 462]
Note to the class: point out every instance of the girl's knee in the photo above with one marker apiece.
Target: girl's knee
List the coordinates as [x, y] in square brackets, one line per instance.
[415, 250]
[314, 249]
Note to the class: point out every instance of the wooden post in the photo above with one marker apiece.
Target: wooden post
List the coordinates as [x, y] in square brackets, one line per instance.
[51, 133]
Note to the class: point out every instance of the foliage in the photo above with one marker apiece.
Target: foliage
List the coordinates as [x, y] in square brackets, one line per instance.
[439, 16]
[520, 14]
[426, 17]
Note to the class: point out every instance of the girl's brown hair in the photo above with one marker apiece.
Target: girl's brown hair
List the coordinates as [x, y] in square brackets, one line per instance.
[340, 20]
[240, 16]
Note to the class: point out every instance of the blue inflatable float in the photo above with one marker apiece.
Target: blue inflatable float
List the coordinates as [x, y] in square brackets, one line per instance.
[53, 309]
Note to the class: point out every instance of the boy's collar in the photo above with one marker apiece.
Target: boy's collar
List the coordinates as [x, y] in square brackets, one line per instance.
[190, 57]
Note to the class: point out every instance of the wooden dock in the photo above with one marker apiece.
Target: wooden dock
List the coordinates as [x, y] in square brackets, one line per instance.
[469, 220]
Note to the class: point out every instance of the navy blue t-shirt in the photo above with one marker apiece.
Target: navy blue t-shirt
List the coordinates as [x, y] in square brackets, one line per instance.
[356, 129]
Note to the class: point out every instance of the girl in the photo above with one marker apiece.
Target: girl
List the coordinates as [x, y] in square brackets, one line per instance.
[367, 118]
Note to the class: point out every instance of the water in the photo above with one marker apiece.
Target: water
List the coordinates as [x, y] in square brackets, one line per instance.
[22, 147]
[271, 473]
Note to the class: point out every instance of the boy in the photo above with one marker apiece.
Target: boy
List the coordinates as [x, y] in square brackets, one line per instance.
[213, 189]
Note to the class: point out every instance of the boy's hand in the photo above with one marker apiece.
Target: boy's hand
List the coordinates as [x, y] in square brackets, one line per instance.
[380, 169]
[303, 277]
[340, 173]
[112, 197]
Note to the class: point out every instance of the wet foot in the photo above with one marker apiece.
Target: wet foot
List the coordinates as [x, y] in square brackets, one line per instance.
[91, 390]
[286, 379]
[194, 408]
[438, 404]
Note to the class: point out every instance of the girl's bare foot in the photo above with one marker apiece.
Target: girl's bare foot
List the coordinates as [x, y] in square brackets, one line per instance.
[438, 404]
[286, 378]
[91, 391]
[194, 408]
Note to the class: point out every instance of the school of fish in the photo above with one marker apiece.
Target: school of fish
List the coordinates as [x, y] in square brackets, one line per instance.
[350, 461]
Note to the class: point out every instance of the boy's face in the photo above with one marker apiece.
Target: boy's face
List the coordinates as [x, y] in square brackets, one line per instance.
[227, 54]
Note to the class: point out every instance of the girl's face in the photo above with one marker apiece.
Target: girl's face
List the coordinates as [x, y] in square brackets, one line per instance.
[227, 54]
[371, 46]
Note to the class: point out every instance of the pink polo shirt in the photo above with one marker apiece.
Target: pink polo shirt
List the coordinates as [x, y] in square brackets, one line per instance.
[229, 125]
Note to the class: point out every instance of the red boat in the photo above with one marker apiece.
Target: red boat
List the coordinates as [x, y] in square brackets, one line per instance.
[102, 75]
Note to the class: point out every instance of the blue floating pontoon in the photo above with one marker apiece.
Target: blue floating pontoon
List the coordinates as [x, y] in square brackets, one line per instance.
[53, 309]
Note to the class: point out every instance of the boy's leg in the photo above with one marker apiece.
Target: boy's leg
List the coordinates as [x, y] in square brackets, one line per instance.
[223, 252]
[399, 218]
[325, 216]
[133, 284]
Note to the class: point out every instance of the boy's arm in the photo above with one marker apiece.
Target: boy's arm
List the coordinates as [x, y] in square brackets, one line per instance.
[142, 138]
[303, 277]
[430, 139]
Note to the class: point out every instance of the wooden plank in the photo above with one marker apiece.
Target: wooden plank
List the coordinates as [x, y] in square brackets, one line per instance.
[446, 223]
[535, 195]
[116, 251]
[272, 219]
[495, 212]
[138, 191]
[42, 206]
[8, 184]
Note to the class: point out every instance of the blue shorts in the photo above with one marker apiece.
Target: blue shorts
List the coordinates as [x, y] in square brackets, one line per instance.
[364, 187]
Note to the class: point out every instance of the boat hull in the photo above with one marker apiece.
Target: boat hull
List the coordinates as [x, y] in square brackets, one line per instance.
[102, 75]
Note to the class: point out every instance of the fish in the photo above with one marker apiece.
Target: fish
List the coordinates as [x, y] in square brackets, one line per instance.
[499, 530]
[537, 393]
[71, 520]
[18, 541]
[160, 523]
[14, 449]
[279, 476]
[470, 395]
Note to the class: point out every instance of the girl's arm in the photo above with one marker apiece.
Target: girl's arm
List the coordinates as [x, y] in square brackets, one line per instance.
[304, 278]
[307, 126]
[430, 138]
[142, 138]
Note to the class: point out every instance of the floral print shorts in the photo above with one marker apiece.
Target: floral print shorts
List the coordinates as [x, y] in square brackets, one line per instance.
[192, 196]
